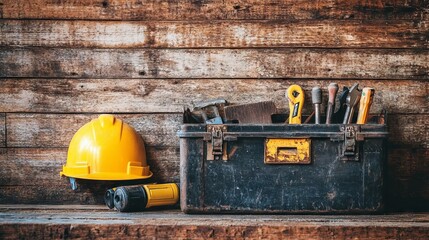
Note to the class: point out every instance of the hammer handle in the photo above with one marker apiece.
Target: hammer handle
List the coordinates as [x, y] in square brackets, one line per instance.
[332, 91]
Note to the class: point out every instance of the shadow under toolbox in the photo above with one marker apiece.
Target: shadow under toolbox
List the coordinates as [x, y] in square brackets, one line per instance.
[278, 168]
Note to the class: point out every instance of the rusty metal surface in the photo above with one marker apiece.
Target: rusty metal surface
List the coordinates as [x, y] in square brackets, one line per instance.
[245, 184]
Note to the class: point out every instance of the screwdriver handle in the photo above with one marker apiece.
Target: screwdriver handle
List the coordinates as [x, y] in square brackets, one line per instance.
[295, 96]
[316, 97]
[365, 104]
[332, 92]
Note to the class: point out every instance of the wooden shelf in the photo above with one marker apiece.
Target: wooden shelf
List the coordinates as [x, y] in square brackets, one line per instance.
[89, 221]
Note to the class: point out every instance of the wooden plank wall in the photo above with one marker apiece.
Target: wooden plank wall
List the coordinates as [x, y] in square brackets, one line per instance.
[64, 62]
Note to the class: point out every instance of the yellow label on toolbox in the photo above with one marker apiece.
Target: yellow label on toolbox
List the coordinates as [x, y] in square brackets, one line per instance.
[287, 151]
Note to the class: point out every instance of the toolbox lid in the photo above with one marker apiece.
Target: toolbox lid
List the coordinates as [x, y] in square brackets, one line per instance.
[333, 131]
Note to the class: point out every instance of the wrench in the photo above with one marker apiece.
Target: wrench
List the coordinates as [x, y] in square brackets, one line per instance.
[351, 101]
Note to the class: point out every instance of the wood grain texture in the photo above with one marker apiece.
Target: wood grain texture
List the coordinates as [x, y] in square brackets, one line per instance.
[31, 175]
[34, 173]
[215, 63]
[218, 34]
[407, 178]
[59, 222]
[63, 62]
[192, 231]
[412, 131]
[171, 95]
[56, 130]
[42, 166]
[212, 10]
[2, 130]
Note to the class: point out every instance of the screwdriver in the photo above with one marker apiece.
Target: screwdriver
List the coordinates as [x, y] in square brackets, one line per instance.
[332, 92]
[365, 104]
[295, 95]
[316, 97]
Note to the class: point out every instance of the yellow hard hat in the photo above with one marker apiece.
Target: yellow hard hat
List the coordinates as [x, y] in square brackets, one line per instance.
[106, 149]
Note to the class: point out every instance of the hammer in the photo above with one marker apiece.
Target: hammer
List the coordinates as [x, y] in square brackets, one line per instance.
[212, 106]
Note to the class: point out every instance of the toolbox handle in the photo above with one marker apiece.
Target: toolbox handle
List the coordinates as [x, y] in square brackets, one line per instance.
[287, 151]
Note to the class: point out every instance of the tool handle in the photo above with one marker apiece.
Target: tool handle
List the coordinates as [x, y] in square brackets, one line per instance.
[329, 113]
[317, 113]
[215, 111]
[365, 104]
[351, 114]
[332, 92]
[316, 95]
[204, 115]
[161, 194]
[346, 115]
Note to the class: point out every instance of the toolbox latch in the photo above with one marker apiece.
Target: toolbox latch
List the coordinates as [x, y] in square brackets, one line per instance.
[352, 136]
[216, 146]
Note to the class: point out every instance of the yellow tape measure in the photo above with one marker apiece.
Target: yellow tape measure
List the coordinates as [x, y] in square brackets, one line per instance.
[295, 95]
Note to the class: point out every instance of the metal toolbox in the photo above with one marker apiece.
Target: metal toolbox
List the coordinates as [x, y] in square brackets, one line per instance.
[277, 168]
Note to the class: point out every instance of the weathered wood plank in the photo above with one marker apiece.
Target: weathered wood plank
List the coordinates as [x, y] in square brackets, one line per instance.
[41, 166]
[54, 207]
[31, 175]
[2, 130]
[58, 192]
[34, 169]
[194, 230]
[212, 10]
[114, 34]
[29, 166]
[56, 130]
[171, 95]
[101, 213]
[410, 130]
[79, 222]
[407, 184]
[215, 63]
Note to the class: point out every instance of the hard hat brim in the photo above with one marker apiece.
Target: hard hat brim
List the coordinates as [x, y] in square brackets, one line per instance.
[107, 176]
